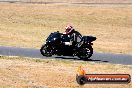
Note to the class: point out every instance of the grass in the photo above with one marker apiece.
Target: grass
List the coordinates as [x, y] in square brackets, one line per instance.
[28, 25]
[19, 72]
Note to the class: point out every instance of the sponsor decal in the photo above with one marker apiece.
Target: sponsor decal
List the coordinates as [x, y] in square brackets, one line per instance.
[83, 78]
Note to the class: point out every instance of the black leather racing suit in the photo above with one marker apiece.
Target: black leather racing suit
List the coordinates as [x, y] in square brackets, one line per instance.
[75, 37]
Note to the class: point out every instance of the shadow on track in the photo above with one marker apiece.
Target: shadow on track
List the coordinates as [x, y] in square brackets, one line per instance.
[75, 58]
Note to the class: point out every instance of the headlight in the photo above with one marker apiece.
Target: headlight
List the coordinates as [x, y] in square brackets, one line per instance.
[54, 38]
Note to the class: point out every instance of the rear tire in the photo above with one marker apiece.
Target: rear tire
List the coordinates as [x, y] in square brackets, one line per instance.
[46, 51]
[85, 52]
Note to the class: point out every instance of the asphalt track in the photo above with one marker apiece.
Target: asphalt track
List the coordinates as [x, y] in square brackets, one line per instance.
[97, 57]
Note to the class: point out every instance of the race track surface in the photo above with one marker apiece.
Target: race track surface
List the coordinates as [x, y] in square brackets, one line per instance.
[97, 57]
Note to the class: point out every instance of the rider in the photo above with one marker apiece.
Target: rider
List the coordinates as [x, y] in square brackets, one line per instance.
[75, 36]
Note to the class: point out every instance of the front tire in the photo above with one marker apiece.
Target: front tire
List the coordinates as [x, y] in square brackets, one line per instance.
[46, 51]
[85, 52]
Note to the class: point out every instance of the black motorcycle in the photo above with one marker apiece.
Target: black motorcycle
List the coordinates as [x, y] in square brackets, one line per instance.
[57, 44]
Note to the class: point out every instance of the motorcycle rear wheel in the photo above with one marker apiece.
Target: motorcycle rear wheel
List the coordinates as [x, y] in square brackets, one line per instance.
[85, 53]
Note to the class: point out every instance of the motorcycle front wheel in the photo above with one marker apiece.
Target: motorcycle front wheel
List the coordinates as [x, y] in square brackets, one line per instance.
[85, 53]
[46, 51]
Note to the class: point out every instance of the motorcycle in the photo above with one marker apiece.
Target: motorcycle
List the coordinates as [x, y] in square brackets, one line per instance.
[58, 44]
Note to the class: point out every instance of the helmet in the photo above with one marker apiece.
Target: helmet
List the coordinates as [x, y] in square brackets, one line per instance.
[69, 29]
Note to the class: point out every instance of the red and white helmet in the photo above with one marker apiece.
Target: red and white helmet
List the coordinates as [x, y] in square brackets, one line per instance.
[69, 29]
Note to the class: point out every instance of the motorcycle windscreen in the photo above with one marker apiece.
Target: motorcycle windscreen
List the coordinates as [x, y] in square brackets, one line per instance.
[53, 36]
